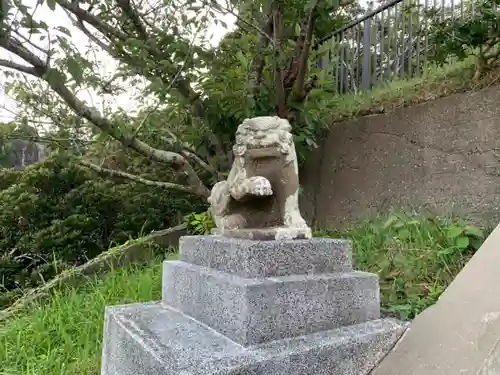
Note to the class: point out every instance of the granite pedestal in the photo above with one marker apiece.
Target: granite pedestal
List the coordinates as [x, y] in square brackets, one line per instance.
[241, 307]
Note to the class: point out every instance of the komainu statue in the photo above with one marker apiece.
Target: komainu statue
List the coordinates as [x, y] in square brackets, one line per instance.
[259, 199]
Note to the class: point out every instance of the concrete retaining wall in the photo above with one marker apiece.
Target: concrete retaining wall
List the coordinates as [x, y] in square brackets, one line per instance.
[442, 155]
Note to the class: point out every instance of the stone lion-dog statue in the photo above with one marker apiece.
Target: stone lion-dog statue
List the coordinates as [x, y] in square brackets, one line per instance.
[262, 188]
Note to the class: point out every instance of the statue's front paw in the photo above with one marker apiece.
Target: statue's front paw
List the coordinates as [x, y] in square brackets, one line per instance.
[295, 221]
[260, 186]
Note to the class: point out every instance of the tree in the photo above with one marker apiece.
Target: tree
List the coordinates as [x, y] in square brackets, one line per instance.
[162, 45]
[477, 33]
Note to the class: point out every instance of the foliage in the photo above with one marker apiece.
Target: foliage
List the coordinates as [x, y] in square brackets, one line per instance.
[435, 83]
[199, 223]
[53, 216]
[416, 257]
[477, 32]
[191, 95]
[65, 336]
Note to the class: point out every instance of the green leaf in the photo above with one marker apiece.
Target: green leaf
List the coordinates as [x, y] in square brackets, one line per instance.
[403, 234]
[390, 221]
[413, 222]
[462, 242]
[242, 58]
[471, 230]
[63, 30]
[75, 69]
[54, 76]
[476, 242]
[51, 4]
[398, 224]
[8, 87]
[297, 29]
[454, 232]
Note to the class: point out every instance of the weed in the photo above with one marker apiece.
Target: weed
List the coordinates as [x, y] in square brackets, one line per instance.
[415, 257]
[64, 336]
[434, 83]
[199, 223]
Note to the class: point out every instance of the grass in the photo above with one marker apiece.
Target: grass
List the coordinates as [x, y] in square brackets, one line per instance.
[64, 336]
[416, 258]
[434, 83]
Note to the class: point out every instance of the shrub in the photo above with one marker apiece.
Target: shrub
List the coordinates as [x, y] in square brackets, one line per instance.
[199, 223]
[477, 33]
[53, 215]
[416, 257]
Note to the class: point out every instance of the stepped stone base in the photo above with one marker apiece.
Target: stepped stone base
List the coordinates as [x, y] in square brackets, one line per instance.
[152, 339]
[252, 311]
[267, 258]
[242, 307]
[265, 234]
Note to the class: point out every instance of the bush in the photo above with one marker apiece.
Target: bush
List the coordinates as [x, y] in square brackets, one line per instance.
[53, 215]
[416, 257]
[477, 33]
[199, 223]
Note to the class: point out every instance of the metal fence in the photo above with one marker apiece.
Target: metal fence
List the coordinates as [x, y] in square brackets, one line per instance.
[391, 41]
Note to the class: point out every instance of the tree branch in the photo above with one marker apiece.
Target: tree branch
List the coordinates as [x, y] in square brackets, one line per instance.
[27, 40]
[278, 72]
[53, 78]
[190, 153]
[177, 75]
[79, 23]
[19, 67]
[262, 32]
[88, 17]
[295, 76]
[183, 86]
[258, 62]
[207, 167]
[299, 92]
[132, 177]
[124, 5]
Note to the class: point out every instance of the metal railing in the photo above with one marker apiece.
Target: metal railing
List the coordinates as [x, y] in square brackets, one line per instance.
[389, 42]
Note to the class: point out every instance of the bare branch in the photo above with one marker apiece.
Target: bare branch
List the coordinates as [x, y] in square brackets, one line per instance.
[124, 5]
[258, 62]
[263, 32]
[92, 37]
[190, 153]
[207, 167]
[278, 72]
[27, 40]
[132, 177]
[299, 92]
[19, 67]
[91, 19]
[16, 47]
[298, 62]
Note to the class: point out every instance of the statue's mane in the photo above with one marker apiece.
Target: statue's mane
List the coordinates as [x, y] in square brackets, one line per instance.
[275, 125]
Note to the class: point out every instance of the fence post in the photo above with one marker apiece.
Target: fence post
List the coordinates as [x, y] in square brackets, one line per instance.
[367, 53]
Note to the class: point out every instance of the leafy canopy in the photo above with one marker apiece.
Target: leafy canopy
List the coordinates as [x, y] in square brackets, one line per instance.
[190, 95]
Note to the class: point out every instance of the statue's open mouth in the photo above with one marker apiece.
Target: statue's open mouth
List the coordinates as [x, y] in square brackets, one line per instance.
[264, 146]
[264, 152]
